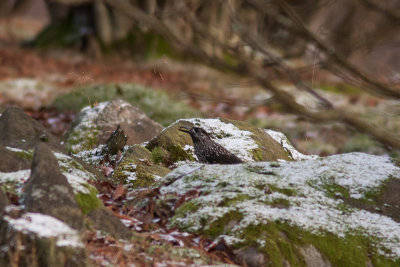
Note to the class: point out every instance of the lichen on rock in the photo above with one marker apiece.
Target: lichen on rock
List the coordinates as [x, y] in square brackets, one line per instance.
[280, 208]
[94, 125]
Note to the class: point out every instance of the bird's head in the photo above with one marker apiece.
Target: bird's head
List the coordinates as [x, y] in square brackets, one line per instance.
[196, 133]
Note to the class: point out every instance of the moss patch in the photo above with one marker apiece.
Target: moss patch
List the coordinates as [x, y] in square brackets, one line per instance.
[156, 104]
[24, 154]
[88, 201]
[283, 242]
[222, 225]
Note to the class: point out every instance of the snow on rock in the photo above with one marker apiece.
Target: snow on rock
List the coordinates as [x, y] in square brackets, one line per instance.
[86, 123]
[301, 185]
[76, 175]
[46, 226]
[283, 140]
[18, 177]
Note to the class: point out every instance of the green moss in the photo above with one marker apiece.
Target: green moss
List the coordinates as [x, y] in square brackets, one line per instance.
[170, 155]
[274, 244]
[82, 139]
[158, 154]
[333, 190]
[371, 196]
[24, 154]
[88, 201]
[286, 191]
[381, 261]
[280, 202]
[274, 165]
[233, 201]
[283, 241]
[259, 170]
[257, 154]
[9, 187]
[187, 207]
[156, 104]
[144, 179]
[395, 158]
[353, 250]
[177, 153]
[218, 227]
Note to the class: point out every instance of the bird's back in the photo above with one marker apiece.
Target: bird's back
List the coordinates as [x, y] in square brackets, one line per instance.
[209, 151]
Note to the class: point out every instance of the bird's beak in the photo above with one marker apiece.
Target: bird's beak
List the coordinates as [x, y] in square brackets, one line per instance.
[184, 129]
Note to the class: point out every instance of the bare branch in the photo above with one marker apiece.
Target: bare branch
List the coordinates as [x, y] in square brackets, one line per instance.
[293, 24]
[250, 69]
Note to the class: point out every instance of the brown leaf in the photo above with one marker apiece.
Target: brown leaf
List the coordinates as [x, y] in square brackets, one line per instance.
[119, 193]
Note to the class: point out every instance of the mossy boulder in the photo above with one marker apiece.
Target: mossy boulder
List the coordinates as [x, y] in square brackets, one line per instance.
[244, 140]
[77, 175]
[94, 125]
[34, 239]
[293, 213]
[156, 104]
[137, 169]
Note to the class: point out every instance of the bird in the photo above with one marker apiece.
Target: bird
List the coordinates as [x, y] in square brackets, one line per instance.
[207, 150]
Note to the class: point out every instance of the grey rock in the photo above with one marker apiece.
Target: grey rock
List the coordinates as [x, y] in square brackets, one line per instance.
[251, 257]
[19, 130]
[278, 209]
[48, 191]
[10, 161]
[313, 257]
[93, 126]
[23, 241]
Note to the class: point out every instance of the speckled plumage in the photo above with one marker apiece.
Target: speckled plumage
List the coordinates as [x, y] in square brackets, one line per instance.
[208, 151]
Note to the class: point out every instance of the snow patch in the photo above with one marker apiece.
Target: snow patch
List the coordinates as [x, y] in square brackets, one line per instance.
[46, 226]
[18, 177]
[309, 207]
[86, 124]
[76, 175]
[284, 142]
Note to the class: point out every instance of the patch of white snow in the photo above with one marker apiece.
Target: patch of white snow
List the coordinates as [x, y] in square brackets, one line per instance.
[46, 226]
[284, 142]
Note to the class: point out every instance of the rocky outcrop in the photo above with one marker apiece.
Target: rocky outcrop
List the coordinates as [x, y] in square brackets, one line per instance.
[34, 239]
[94, 125]
[59, 201]
[290, 213]
[48, 191]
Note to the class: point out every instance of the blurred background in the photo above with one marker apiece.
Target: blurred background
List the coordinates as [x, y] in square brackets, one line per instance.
[324, 72]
